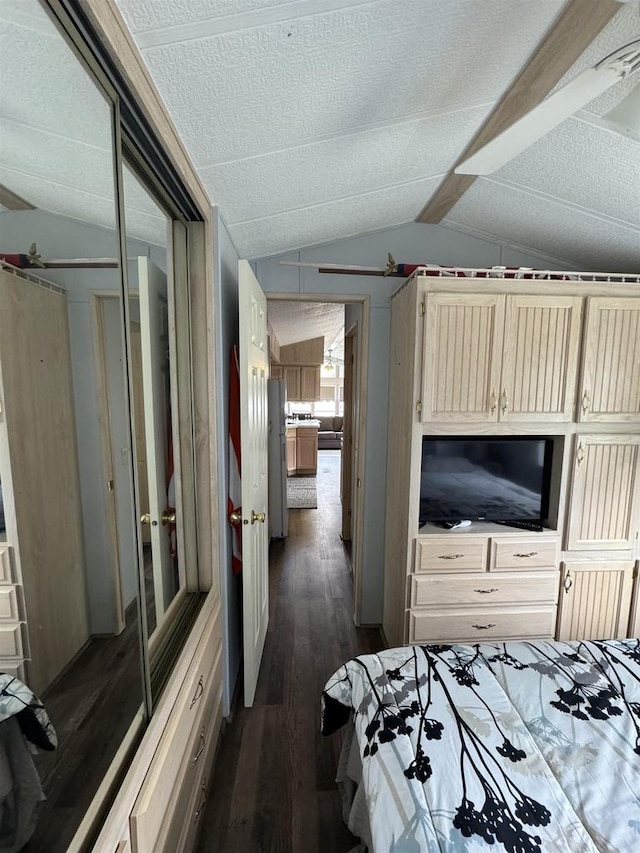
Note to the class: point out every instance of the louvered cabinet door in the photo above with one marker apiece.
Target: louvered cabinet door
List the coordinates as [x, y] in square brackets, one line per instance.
[462, 350]
[540, 358]
[605, 492]
[610, 387]
[595, 600]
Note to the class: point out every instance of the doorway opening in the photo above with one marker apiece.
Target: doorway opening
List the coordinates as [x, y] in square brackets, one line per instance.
[317, 346]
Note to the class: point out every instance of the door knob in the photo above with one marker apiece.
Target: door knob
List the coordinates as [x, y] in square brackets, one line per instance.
[145, 518]
[168, 517]
[235, 517]
[257, 516]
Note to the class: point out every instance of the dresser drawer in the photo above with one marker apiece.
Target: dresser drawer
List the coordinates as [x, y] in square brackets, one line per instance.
[486, 589]
[452, 554]
[9, 610]
[530, 553]
[151, 812]
[11, 641]
[188, 792]
[6, 575]
[481, 624]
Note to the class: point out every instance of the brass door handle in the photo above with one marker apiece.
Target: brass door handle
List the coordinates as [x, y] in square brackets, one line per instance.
[145, 518]
[257, 516]
[168, 517]
[235, 518]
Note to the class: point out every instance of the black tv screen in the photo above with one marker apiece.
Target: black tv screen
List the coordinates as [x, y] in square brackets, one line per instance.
[485, 479]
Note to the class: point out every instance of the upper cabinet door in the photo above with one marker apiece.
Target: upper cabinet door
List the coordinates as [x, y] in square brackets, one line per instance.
[605, 495]
[610, 389]
[291, 376]
[309, 383]
[540, 358]
[462, 350]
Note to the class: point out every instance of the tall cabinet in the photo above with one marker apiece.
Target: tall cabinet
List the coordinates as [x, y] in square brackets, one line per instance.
[558, 359]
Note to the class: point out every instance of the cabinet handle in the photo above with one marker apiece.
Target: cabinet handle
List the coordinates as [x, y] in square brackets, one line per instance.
[505, 401]
[484, 627]
[580, 454]
[529, 554]
[203, 801]
[200, 750]
[486, 592]
[198, 693]
[494, 401]
[586, 402]
[450, 556]
[568, 582]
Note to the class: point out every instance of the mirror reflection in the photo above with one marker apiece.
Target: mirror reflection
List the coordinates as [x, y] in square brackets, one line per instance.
[70, 628]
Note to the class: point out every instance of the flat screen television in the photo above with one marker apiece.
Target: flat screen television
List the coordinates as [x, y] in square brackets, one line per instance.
[479, 478]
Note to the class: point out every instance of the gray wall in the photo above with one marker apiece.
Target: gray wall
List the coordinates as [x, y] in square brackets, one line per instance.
[414, 243]
[226, 327]
[59, 237]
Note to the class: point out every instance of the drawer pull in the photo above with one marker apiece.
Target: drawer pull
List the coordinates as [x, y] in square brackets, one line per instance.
[568, 582]
[200, 750]
[484, 627]
[450, 556]
[203, 801]
[486, 591]
[198, 693]
[529, 554]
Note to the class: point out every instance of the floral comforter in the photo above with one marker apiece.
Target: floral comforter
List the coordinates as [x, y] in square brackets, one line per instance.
[523, 747]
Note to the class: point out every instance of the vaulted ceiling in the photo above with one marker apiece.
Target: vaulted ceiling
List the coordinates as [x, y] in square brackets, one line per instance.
[314, 120]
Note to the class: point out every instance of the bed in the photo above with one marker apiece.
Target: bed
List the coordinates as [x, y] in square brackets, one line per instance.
[521, 746]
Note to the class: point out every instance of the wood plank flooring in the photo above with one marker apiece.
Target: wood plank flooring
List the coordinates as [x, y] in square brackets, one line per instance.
[273, 788]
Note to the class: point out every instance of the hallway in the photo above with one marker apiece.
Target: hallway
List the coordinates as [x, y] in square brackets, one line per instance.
[273, 788]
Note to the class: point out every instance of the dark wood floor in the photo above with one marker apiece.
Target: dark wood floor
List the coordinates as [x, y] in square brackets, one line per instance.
[273, 788]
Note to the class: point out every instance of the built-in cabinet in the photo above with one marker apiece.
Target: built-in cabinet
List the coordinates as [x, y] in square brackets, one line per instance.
[526, 357]
[500, 358]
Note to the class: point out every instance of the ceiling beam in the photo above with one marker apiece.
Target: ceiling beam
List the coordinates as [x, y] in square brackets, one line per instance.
[573, 31]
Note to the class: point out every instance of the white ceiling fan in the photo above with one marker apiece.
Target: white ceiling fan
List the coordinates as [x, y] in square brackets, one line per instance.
[625, 117]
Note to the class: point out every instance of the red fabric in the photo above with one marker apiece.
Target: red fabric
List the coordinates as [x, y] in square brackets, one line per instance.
[20, 261]
[234, 502]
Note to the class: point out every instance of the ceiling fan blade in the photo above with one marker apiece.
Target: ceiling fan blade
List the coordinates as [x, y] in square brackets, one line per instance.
[535, 124]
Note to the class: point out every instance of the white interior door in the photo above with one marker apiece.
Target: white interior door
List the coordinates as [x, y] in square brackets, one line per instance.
[154, 341]
[254, 429]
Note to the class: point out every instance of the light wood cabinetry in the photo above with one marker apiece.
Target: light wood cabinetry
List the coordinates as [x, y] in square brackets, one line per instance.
[302, 382]
[516, 358]
[307, 450]
[605, 492]
[490, 358]
[469, 587]
[610, 386]
[291, 450]
[595, 599]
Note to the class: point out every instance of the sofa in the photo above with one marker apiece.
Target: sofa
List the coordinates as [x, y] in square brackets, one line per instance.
[330, 433]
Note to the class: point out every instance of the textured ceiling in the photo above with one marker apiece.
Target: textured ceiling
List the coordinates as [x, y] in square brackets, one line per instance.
[314, 120]
[55, 130]
[294, 321]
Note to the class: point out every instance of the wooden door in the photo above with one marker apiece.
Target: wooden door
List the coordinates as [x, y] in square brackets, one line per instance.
[350, 408]
[309, 383]
[152, 286]
[462, 350]
[291, 376]
[595, 600]
[254, 432]
[610, 387]
[540, 358]
[605, 492]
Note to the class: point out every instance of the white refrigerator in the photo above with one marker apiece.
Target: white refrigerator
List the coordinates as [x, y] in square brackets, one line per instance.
[277, 472]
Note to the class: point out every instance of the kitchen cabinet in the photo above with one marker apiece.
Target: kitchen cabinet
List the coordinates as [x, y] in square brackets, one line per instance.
[291, 450]
[302, 382]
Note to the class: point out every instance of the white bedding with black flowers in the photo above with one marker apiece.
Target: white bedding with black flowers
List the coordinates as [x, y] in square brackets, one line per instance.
[527, 746]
